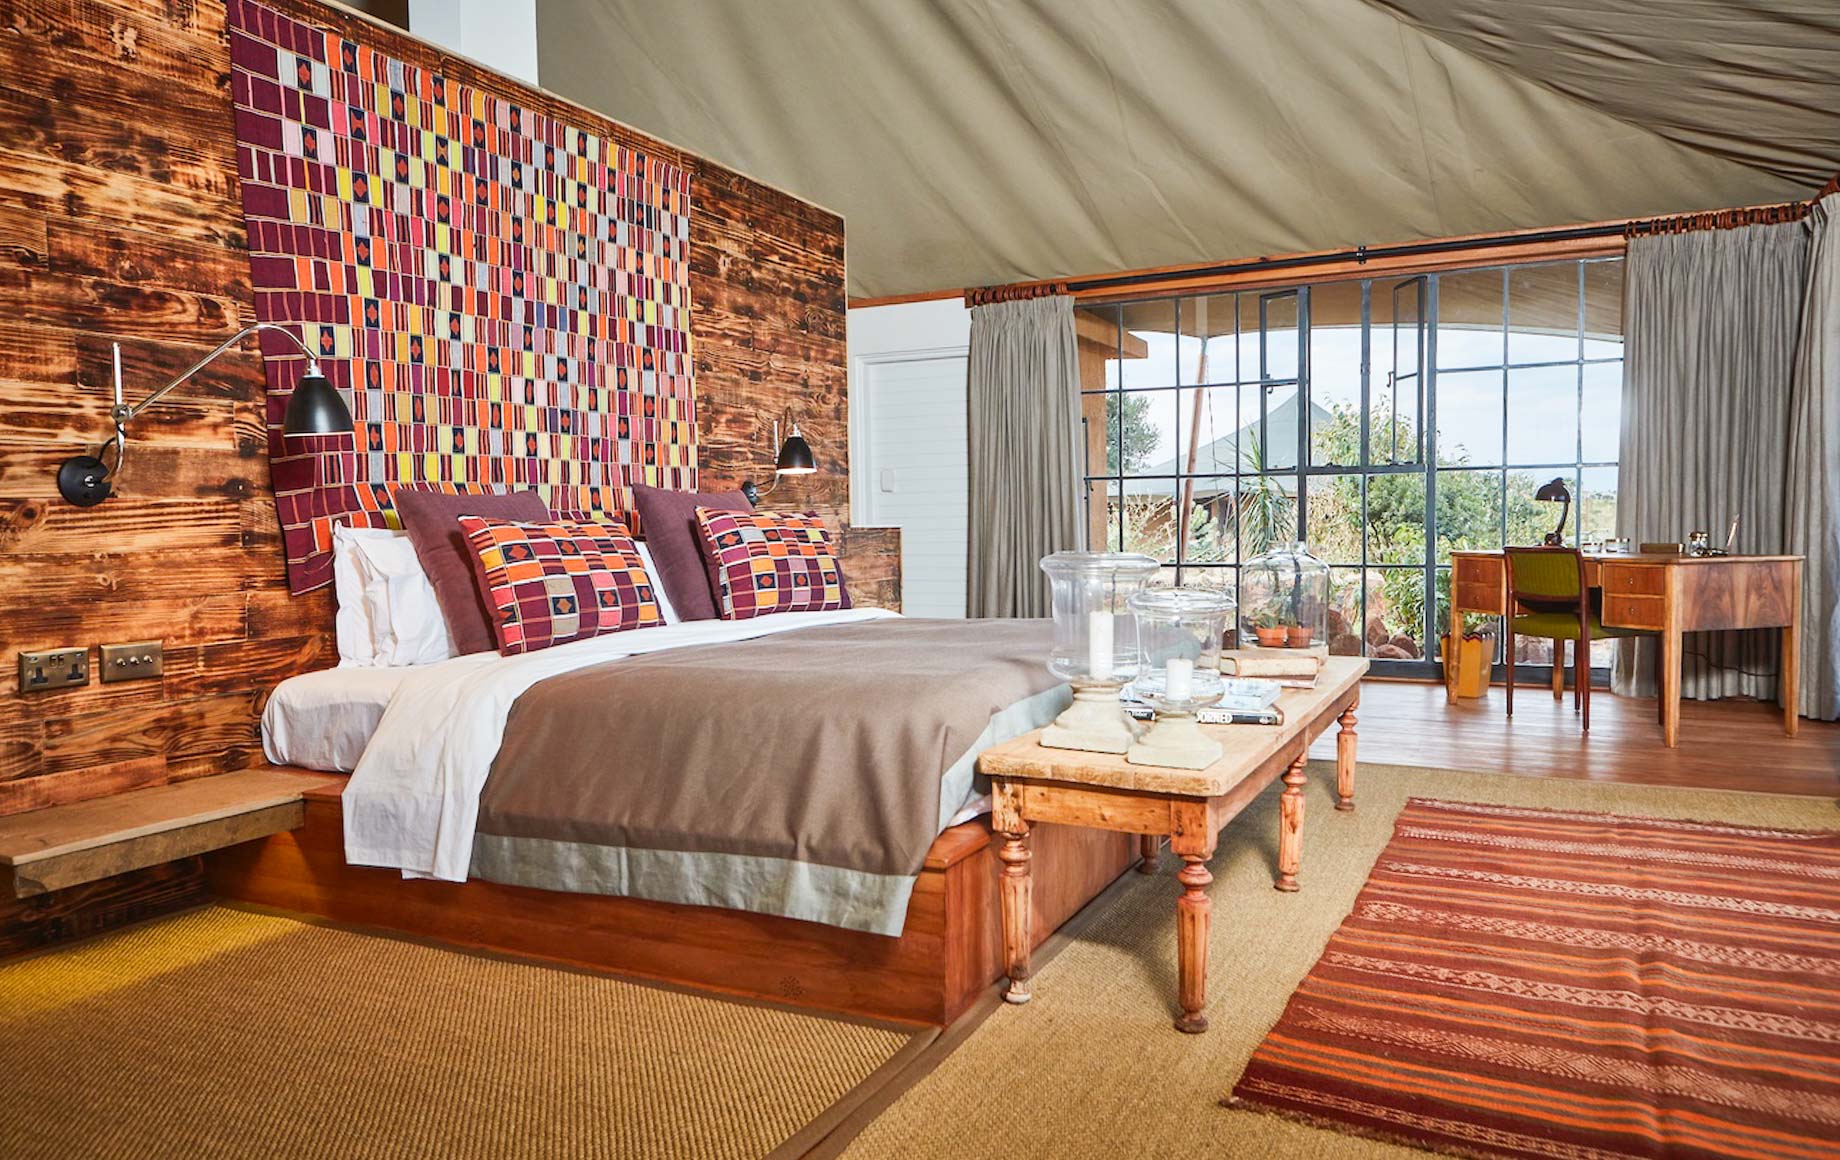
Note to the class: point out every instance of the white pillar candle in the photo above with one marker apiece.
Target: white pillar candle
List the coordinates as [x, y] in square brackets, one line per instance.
[1178, 678]
[1099, 645]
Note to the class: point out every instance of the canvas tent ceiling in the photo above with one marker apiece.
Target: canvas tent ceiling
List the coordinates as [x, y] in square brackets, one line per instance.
[972, 142]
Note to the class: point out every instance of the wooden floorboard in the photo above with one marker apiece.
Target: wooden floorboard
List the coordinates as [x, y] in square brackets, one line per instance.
[1723, 744]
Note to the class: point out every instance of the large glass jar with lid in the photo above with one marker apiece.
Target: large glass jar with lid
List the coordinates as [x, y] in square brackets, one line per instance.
[1284, 599]
[1095, 645]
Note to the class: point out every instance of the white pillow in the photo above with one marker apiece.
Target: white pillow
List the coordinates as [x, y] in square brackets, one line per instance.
[386, 602]
[651, 571]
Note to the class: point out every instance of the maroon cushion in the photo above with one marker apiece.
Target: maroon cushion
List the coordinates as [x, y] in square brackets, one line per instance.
[668, 519]
[432, 519]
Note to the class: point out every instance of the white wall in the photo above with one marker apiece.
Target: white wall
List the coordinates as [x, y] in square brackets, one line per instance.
[500, 34]
[908, 454]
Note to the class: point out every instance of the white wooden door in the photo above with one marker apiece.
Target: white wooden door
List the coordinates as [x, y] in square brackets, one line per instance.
[917, 480]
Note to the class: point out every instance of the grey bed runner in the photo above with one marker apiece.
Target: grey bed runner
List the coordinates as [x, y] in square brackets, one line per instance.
[797, 774]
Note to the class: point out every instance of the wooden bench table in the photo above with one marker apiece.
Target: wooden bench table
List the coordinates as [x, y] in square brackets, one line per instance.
[1031, 783]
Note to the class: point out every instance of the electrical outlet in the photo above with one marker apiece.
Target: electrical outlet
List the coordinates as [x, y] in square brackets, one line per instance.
[61, 668]
[132, 661]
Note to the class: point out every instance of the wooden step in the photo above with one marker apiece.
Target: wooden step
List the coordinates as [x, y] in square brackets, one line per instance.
[49, 849]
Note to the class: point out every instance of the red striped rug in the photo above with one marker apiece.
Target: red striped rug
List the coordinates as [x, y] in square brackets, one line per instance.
[1541, 983]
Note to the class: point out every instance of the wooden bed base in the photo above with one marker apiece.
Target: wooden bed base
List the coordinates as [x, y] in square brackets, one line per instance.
[950, 952]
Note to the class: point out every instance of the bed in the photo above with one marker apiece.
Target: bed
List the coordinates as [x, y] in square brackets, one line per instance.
[881, 904]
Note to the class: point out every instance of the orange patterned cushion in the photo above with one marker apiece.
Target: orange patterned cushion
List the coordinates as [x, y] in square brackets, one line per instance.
[766, 562]
[552, 583]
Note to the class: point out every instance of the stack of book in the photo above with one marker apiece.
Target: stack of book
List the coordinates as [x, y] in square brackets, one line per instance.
[1290, 668]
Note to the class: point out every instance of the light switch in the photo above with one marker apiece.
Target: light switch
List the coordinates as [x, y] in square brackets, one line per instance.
[887, 479]
[133, 661]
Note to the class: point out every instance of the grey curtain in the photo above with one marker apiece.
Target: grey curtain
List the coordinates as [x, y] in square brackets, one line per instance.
[1025, 456]
[1711, 319]
[1812, 526]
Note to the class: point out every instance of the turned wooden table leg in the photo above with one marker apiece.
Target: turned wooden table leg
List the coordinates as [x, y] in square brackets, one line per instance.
[1193, 909]
[1344, 759]
[1290, 826]
[1018, 919]
[1149, 852]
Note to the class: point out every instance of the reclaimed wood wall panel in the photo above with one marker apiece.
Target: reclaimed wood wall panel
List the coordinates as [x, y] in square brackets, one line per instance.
[120, 221]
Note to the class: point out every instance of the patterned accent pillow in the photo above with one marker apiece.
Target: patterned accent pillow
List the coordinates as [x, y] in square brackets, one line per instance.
[766, 562]
[551, 583]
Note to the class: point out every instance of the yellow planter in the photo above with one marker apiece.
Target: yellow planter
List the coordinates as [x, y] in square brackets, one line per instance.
[1475, 660]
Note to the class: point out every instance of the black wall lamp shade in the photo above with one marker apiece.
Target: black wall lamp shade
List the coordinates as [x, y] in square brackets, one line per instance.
[795, 457]
[316, 408]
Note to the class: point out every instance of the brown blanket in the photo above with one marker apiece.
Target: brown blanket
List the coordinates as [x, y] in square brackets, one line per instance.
[823, 745]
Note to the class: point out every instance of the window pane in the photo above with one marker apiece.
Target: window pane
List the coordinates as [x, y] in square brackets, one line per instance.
[1146, 432]
[1335, 374]
[1469, 319]
[1199, 359]
[1213, 579]
[1278, 450]
[1528, 519]
[1335, 518]
[1099, 432]
[1113, 512]
[1396, 385]
[1469, 416]
[1396, 519]
[1149, 523]
[1396, 614]
[1278, 332]
[1603, 411]
[1210, 418]
[1603, 309]
[1267, 513]
[1345, 612]
[1212, 524]
[1468, 511]
[1543, 414]
[1597, 503]
[1101, 521]
[1543, 313]
[1149, 344]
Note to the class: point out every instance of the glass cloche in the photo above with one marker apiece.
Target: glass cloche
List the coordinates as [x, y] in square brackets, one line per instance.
[1095, 635]
[1180, 632]
[1284, 599]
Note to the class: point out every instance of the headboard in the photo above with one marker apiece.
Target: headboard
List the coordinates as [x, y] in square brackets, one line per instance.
[121, 219]
[504, 292]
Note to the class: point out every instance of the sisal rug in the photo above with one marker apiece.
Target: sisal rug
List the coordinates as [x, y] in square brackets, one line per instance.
[229, 1033]
[1543, 983]
[1091, 1068]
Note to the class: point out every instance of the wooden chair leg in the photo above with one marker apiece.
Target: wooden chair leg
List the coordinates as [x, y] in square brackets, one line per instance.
[1583, 662]
[1510, 680]
[1558, 670]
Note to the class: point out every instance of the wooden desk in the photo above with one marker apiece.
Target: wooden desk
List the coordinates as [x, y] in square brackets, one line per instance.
[1671, 595]
[1031, 783]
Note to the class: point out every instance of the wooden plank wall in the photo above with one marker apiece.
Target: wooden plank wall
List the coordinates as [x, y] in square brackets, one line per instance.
[120, 220]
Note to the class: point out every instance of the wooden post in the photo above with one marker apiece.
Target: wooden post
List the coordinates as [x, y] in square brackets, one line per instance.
[1150, 851]
[1193, 910]
[1791, 680]
[1558, 670]
[1671, 661]
[1344, 758]
[1290, 824]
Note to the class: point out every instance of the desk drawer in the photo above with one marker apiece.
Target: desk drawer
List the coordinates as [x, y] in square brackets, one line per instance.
[1622, 610]
[1632, 579]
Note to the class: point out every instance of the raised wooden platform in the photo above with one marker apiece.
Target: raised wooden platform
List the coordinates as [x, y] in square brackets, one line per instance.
[50, 849]
[950, 952]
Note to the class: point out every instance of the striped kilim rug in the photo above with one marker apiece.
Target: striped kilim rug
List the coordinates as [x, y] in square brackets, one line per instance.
[1546, 983]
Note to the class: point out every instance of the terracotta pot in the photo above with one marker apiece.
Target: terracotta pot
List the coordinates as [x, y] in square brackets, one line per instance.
[1298, 635]
[1272, 637]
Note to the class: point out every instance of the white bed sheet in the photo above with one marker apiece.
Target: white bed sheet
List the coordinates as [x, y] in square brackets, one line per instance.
[323, 720]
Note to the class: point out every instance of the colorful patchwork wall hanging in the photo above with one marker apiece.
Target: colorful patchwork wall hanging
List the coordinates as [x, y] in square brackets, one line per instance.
[503, 297]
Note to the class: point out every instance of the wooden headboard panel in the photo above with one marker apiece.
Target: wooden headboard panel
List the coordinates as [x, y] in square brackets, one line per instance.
[120, 220]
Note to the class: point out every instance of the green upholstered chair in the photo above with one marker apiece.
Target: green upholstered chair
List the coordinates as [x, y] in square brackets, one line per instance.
[1547, 596]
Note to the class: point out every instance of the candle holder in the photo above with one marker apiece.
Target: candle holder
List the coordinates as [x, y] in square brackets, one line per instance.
[1095, 645]
[1180, 633]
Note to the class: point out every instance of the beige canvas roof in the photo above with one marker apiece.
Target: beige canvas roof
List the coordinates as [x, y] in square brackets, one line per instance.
[972, 142]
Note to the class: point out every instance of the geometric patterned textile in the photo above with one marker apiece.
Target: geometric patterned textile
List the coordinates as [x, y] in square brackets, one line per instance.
[766, 562]
[503, 297]
[552, 583]
[1574, 986]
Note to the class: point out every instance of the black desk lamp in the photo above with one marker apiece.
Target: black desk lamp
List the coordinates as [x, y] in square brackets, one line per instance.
[1556, 492]
[795, 458]
[315, 408]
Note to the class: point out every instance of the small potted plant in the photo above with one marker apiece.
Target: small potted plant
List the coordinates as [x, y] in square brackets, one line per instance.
[1269, 629]
[1298, 635]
